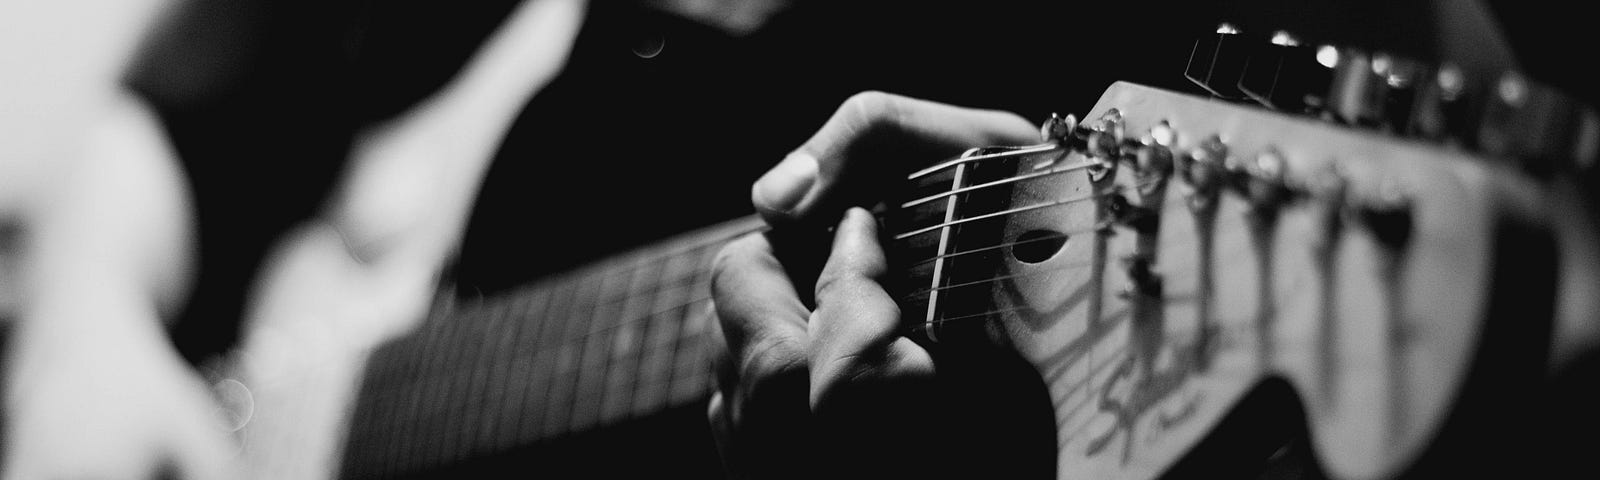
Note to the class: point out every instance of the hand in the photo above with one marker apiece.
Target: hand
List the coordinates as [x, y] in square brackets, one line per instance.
[805, 392]
[111, 403]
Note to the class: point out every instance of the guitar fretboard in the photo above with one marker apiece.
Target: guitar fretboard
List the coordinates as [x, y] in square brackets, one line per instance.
[592, 347]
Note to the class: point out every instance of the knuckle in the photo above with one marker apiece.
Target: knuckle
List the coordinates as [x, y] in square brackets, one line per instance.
[731, 258]
[874, 108]
[773, 367]
[773, 356]
[831, 284]
[850, 278]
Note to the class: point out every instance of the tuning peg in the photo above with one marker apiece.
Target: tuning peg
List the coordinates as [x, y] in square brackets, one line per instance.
[1203, 169]
[1284, 74]
[1375, 90]
[1058, 128]
[1217, 61]
[1448, 108]
[1105, 143]
[1154, 160]
[1536, 125]
[1388, 217]
[1261, 180]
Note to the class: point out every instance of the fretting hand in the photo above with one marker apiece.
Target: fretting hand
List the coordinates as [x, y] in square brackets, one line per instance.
[830, 387]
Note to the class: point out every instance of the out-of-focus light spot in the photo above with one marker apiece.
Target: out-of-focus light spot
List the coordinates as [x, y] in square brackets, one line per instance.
[1228, 29]
[1381, 64]
[649, 45]
[1283, 38]
[1512, 90]
[238, 404]
[1451, 82]
[1328, 56]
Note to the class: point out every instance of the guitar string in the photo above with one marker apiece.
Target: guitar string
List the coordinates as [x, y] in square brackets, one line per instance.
[651, 315]
[1008, 180]
[973, 251]
[1227, 221]
[1014, 152]
[984, 315]
[1114, 190]
[704, 298]
[1003, 213]
[700, 299]
[694, 279]
[1059, 269]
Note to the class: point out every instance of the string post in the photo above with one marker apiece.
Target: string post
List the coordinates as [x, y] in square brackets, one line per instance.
[1202, 169]
[1105, 144]
[1261, 180]
[1058, 129]
[1153, 162]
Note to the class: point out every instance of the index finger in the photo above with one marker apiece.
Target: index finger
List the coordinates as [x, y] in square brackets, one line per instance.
[872, 137]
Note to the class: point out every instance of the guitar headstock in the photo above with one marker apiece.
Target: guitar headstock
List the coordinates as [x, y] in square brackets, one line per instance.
[1163, 257]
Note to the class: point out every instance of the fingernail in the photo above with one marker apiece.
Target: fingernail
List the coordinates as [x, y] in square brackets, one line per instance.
[782, 188]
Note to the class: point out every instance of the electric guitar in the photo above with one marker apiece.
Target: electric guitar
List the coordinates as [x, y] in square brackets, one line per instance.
[1155, 263]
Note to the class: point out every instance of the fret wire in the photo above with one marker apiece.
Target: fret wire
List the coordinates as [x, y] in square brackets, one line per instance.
[944, 246]
[1231, 220]
[609, 299]
[547, 354]
[1017, 151]
[1004, 181]
[525, 334]
[567, 358]
[680, 281]
[485, 367]
[626, 342]
[707, 297]
[687, 319]
[668, 325]
[590, 377]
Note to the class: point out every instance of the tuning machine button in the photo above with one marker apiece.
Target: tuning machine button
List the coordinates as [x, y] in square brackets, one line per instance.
[1058, 129]
[1375, 90]
[1153, 161]
[1261, 181]
[1538, 126]
[1104, 143]
[1202, 167]
[1218, 60]
[1285, 75]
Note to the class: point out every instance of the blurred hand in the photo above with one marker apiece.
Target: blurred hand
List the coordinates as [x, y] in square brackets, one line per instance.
[112, 403]
[836, 389]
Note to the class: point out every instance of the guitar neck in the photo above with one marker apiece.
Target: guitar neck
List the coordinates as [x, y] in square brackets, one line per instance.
[620, 339]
